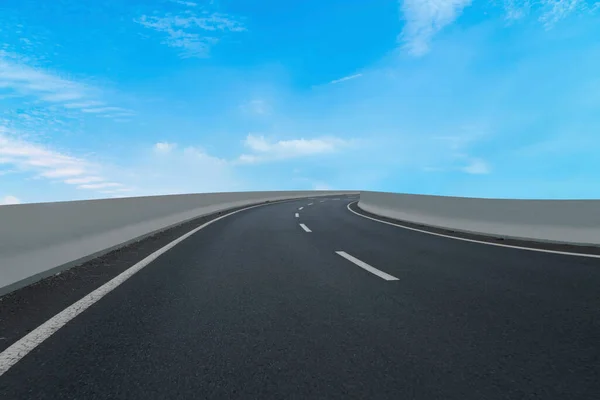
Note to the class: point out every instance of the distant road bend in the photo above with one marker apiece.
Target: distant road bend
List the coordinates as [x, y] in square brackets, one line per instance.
[305, 299]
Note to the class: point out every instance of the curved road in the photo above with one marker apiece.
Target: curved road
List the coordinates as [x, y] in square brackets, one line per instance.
[257, 306]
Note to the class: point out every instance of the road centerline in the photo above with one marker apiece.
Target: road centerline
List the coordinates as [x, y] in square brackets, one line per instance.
[366, 266]
[305, 228]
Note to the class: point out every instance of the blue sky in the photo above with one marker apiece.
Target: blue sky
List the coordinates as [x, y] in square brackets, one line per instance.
[448, 97]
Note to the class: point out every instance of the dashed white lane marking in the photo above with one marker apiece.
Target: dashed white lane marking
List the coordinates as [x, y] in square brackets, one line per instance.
[297, 215]
[335, 199]
[305, 228]
[27, 343]
[367, 267]
[300, 208]
[310, 204]
[322, 201]
[567, 253]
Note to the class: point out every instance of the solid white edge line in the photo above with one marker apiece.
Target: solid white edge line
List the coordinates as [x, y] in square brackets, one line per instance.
[567, 253]
[27, 343]
[305, 228]
[367, 267]
[297, 215]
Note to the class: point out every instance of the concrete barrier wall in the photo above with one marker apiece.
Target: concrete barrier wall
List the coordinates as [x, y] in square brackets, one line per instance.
[38, 240]
[559, 221]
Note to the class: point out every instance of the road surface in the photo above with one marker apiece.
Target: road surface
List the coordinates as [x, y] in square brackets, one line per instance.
[306, 300]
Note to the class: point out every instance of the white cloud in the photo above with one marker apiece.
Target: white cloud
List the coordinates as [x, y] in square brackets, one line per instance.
[464, 138]
[433, 169]
[84, 104]
[30, 80]
[98, 110]
[346, 78]
[25, 80]
[258, 143]
[6, 172]
[44, 162]
[164, 147]
[477, 167]
[424, 18]
[256, 106]
[185, 3]
[6, 200]
[87, 179]
[557, 10]
[516, 9]
[118, 190]
[248, 159]
[188, 31]
[63, 173]
[321, 186]
[265, 150]
[183, 170]
[192, 44]
[194, 154]
[457, 150]
[103, 185]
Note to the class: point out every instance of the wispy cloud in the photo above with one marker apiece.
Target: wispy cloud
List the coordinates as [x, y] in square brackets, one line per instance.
[516, 9]
[80, 181]
[6, 171]
[256, 107]
[164, 147]
[102, 110]
[116, 191]
[458, 151]
[63, 172]
[264, 150]
[191, 32]
[30, 81]
[260, 149]
[346, 78]
[46, 163]
[26, 81]
[555, 10]
[424, 18]
[322, 186]
[102, 185]
[185, 3]
[84, 104]
[182, 169]
[195, 153]
[476, 167]
[185, 152]
[6, 200]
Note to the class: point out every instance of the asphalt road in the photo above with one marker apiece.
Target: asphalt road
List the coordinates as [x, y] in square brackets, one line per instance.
[256, 306]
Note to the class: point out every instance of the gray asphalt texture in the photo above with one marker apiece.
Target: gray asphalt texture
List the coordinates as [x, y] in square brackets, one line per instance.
[253, 307]
[25, 309]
